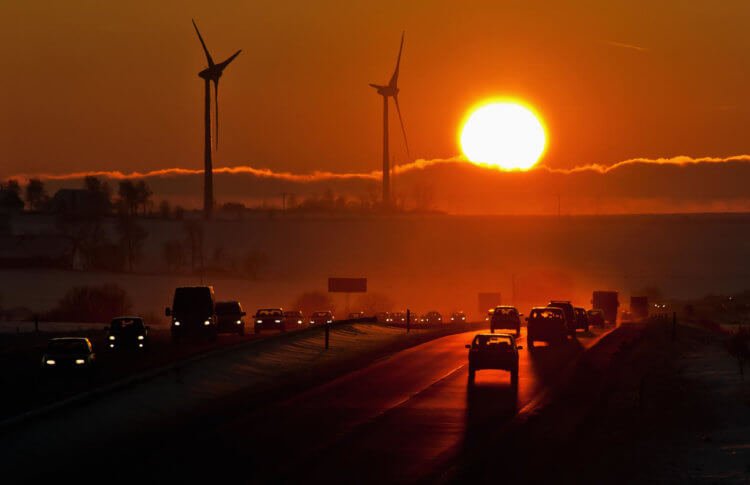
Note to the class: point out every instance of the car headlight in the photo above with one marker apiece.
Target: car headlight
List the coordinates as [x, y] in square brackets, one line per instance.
[239, 322]
[176, 323]
[277, 321]
[50, 362]
[111, 346]
[80, 361]
[207, 322]
[299, 321]
[329, 321]
[141, 337]
[112, 337]
[259, 321]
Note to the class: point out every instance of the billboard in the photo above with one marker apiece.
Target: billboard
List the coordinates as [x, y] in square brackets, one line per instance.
[347, 285]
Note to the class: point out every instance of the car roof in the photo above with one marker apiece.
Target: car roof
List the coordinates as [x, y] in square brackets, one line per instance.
[69, 339]
[128, 317]
[496, 334]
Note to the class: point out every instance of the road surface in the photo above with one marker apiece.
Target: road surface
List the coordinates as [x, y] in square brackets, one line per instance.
[399, 420]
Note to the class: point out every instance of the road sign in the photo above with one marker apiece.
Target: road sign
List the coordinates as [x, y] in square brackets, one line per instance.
[347, 285]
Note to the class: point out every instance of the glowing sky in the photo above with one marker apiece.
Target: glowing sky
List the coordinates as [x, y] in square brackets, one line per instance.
[112, 85]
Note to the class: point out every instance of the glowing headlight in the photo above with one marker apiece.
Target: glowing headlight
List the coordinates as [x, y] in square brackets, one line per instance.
[141, 337]
[312, 322]
[111, 346]
[176, 323]
[80, 361]
[329, 321]
[277, 321]
[207, 322]
[259, 321]
[140, 345]
[299, 321]
[50, 362]
[239, 322]
[111, 337]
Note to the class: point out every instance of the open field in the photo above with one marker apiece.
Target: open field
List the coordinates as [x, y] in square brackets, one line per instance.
[427, 262]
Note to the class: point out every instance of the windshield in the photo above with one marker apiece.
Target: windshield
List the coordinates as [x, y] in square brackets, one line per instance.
[320, 314]
[122, 324]
[292, 314]
[493, 342]
[270, 313]
[228, 308]
[68, 347]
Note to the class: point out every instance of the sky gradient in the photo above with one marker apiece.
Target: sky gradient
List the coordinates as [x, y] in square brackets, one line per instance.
[95, 85]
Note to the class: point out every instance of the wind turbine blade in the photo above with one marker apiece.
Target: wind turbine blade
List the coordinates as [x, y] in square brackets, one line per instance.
[224, 64]
[205, 49]
[216, 107]
[403, 130]
[394, 78]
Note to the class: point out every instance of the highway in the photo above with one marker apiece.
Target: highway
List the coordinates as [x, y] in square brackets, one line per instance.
[399, 420]
[404, 418]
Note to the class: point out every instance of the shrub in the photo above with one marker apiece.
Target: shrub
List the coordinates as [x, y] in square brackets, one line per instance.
[91, 304]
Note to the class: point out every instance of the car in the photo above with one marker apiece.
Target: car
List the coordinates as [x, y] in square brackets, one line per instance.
[68, 353]
[596, 317]
[458, 317]
[570, 314]
[494, 351]
[230, 317]
[269, 318]
[398, 317]
[294, 317]
[321, 318]
[547, 324]
[193, 311]
[582, 318]
[383, 317]
[355, 315]
[506, 317]
[432, 318]
[127, 332]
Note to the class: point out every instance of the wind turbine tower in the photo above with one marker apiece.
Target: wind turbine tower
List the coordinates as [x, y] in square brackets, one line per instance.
[390, 90]
[212, 73]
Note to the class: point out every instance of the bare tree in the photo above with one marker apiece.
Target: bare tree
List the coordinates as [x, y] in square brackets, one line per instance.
[129, 197]
[165, 209]
[132, 236]
[36, 195]
[194, 237]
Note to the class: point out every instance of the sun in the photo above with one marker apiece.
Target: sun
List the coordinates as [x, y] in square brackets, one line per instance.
[505, 135]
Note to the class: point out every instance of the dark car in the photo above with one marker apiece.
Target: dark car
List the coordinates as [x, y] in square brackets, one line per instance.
[494, 351]
[383, 317]
[398, 317]
[321, 318]
[269, 318]
[458, 317]
[506, 317]
[229, 317]
[293, 317]
[193, 311]
[582, 318]
[546, 324]
[68, 353]
[596, 317]
[127, 332]
[355, 315]
[570, 314]
[431, 318]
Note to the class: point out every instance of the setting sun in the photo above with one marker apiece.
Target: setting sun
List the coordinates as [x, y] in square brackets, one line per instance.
[505, 135]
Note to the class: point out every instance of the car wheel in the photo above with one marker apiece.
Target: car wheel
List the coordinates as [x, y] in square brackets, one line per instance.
[586, 329]
[472, 373]
[257, 330]
[518, 331]
[242, 331]
[530, 342]
[283, 329]
[514, 378]
[175, 338]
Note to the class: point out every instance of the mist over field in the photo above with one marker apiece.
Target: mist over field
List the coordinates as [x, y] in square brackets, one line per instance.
[429, 261]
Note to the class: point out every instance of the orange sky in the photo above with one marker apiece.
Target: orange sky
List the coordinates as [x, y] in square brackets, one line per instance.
[91, 85]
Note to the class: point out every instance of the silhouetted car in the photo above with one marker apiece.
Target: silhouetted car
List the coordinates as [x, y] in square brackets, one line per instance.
[458, 317]
[383, 317]
[570, 314]
[355, 315]
[321, 318]
[582, 318]
[506, 317]
[546, 324]
[398, 317]
[127, 332]
[192, 311]
[294, 317]
[68, 353]
[494, 351]
[432, 318]
[269, 319]
[229, 317]
[596, 317]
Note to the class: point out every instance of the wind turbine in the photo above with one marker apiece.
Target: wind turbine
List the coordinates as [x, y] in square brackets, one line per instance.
[210, 74]
[390, 90]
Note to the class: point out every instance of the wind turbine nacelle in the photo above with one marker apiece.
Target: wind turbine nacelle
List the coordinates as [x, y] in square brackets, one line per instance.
[210, 74]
